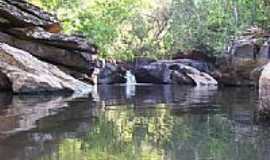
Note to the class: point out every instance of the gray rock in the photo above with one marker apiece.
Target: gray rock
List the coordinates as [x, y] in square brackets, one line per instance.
[78, 60]
[111, 74]
[171, 72]
[27, 74]
[198, 64]
[265, 50]
[238, 72]
[245, 48]
[59, 40]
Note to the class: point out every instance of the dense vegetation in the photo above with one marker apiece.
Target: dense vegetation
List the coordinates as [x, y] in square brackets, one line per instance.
[125, 29]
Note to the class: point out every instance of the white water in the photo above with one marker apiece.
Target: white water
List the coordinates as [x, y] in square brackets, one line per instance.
[131, 80]
[130, 84]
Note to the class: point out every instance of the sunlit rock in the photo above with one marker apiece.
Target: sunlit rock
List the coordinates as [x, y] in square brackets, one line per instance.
[27, 74]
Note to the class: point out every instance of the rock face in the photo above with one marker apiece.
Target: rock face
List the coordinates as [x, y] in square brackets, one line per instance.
[23, 14]
[31, 46]
[112, 74]
[74, 59]
[264, 94]
[246, 56]
[172, 72]
[28, 27]
[245, 48]
[238, 72]
[27, 74]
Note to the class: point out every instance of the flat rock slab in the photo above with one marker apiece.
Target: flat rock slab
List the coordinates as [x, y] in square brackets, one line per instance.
[27, 74]
[81, 61]
[55, 39]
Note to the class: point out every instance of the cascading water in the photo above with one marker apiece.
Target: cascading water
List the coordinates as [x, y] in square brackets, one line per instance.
[131, 80]
[130, 84]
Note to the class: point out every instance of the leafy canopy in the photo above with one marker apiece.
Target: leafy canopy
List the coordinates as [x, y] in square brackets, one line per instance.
[124, 29]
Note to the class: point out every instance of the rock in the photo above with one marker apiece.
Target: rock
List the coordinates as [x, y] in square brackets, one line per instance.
[112, 74]
[244, 48]
[202, 66]
[23, 14]
[265, 50]
[181, 78]
[171, 72]
[141, 61]
[74, 43]
[238, 72]
[76, 60]
[27, 74]
[263, 109]
[195, 54]
[28, 27]
[5, 84]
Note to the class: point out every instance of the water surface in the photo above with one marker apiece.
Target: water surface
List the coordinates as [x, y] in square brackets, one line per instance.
[138, 123]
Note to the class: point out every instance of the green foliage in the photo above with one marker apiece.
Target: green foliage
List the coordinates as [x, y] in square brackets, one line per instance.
[124, 29]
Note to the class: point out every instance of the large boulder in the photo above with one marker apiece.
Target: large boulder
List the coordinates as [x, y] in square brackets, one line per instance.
[172, 72]
[27, 74]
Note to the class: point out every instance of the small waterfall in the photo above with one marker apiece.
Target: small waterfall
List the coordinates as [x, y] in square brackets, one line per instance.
[130, 84]
[131, 80]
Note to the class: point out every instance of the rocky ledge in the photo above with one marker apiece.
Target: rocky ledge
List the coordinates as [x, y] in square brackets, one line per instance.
[36, 57]
[23, 73]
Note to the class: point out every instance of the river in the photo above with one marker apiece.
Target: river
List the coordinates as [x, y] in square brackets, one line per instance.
[144, 122]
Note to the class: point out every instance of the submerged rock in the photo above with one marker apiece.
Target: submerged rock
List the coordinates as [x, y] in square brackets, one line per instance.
[172, 72]
[27, 74]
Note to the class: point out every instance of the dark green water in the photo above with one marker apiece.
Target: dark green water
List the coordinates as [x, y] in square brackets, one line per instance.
[146, 123]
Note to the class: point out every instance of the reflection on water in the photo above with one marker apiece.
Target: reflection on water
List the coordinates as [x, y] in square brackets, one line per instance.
[157, 123]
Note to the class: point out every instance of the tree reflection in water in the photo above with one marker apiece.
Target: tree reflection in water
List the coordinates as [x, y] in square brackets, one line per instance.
[184, 123]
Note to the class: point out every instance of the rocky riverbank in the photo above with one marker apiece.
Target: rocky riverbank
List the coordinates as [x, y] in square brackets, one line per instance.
[37, 57]
[240, 66]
